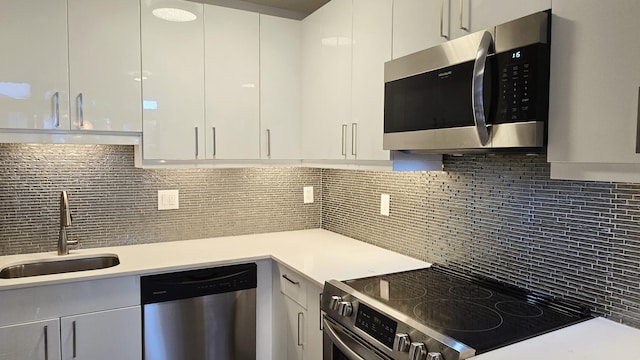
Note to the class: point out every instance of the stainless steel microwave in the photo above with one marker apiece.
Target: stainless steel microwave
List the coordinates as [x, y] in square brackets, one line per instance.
[487, 91]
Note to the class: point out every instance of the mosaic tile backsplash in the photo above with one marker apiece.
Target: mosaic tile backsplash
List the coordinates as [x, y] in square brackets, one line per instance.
[501, 216]
[113, 203]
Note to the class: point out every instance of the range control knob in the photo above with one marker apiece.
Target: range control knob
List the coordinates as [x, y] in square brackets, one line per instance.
[401, 342]
[334, 302]
[345, 308]
[417, 351]
[434, 356]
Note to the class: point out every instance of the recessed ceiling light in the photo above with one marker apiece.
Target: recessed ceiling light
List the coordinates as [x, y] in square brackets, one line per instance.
[173, 14]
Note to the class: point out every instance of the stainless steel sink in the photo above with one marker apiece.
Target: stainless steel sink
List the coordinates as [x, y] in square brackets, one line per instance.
[59, 266]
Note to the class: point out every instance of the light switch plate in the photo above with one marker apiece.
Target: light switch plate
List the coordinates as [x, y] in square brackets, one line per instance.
[168, 199]
[385, 204]
[308, 194]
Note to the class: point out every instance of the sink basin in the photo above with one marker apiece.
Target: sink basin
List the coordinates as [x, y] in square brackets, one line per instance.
[59, 266]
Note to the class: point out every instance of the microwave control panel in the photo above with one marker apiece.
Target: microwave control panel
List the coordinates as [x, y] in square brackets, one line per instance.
[523, 84]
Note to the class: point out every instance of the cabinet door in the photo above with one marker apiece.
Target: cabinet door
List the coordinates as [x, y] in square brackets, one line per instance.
[173, 81]
[33, 66]
[326, 80]
[371, 49]
[419, 24]
[32, 341]
[280, 87]
[313, 332]
[232, 83]
[295, 329]
[105, 335]
[469, 16]
[595, 85]
[104, 65]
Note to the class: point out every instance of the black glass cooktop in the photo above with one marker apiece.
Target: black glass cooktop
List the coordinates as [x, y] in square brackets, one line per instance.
[480, 313]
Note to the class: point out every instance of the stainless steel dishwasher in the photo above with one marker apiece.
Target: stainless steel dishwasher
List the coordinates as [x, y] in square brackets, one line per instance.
[202, 314]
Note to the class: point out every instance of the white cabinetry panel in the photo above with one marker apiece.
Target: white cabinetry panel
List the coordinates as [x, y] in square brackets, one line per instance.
[104, 65]
[280, 87]
[31, 341]
[173, 83]
[232, 83]
[34, 80]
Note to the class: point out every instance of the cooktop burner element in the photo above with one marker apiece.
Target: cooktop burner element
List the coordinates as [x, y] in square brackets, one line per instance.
[458, 315]
[478, 313]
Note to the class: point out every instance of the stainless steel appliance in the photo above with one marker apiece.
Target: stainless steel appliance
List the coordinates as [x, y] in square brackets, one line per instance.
[203, 314]
[435, 314]
[487, 91]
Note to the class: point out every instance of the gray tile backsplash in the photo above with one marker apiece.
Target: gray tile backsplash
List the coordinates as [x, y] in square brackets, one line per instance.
[113, 203]
[501, 216]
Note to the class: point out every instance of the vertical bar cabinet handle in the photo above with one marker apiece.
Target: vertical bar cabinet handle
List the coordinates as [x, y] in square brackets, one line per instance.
[197, 143]
[268, 142]
[354, 139]
[75, 348]
[462, 27]
[213, 129]
[442, 34]
[344, 139]
[46, 342]
[80, 110]
[56, 106]
[300, 337]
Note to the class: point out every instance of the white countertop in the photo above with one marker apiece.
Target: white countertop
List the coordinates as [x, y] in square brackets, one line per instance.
[317, 254]
[321, 255]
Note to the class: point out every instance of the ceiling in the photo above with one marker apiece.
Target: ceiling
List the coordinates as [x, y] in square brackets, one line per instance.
[295, 9]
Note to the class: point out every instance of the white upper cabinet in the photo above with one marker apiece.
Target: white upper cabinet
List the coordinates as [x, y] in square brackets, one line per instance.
[104, 65]
[280, 87]
[595, 85]
[34, 80]
[326, 81]
[372, 23]
[232, 83]
[173, 79]
[467, 16]
[419, 24]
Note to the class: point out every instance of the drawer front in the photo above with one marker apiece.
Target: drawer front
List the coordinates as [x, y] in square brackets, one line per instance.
[293, 285]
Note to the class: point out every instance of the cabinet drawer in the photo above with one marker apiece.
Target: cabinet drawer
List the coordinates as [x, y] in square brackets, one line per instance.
[293, 285]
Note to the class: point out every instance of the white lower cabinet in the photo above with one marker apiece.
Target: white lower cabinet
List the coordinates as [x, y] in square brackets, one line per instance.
[104, 335]
[296, 316]
[31, 341]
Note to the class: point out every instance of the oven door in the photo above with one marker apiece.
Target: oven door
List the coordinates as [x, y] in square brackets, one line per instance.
[341, 344]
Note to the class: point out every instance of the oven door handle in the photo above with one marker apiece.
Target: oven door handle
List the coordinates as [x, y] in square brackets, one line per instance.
[477, 85]
[335, 338]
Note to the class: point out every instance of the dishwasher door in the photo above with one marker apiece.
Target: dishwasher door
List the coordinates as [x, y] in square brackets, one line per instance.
[201, 314]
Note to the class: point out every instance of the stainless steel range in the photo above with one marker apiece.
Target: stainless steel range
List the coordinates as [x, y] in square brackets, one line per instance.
[434, 314]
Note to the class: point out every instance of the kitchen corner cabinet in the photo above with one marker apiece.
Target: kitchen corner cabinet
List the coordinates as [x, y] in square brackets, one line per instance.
[345, 45]
[31, 341]
[173, 82]
[54, 50]
[280, 88]
[232, 83]
[296, 314]
[420, 24]
[594, 94]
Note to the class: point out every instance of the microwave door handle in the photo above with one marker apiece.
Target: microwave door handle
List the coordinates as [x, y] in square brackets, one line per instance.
[477, 99]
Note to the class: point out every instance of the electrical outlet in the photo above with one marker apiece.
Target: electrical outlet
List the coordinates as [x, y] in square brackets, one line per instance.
[385, 204]
[168, 199]
[308, 194]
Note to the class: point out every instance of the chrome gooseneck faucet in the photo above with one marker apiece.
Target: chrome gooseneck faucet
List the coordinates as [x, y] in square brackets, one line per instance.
[65, 221]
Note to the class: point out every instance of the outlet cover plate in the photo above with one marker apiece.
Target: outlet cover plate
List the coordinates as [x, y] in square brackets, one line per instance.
[168, 199]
